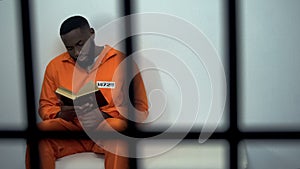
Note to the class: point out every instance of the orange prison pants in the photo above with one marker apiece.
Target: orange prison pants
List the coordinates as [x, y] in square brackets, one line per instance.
[52, 149]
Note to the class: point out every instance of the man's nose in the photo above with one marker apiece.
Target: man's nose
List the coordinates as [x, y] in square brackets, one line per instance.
[77, 52]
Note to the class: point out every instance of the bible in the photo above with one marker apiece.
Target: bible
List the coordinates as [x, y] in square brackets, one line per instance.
[89, 93]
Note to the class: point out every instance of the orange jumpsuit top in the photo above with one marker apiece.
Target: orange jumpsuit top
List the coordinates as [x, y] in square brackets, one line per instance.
[63, 71]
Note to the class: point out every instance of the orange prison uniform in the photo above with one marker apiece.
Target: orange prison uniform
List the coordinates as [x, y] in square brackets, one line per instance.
[62, 71]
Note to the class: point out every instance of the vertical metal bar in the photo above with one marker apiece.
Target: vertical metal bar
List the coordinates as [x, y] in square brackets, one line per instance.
[128, 7]
[231, 14]
[32, 140]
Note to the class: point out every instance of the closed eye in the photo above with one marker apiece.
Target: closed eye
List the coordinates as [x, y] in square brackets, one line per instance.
[69, 48]
[80, 43]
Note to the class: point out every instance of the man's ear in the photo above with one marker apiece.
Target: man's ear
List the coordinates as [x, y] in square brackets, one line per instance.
[92, 30]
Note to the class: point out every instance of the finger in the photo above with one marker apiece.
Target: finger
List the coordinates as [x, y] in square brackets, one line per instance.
[84, 106]
[77, 109]
[61, 103]
[67, 108]
[89, 108]
[81, 108]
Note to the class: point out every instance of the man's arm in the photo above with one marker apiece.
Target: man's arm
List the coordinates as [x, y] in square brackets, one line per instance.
[49, 104]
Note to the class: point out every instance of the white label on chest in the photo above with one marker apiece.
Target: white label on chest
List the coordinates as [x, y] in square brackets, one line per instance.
[106, 84]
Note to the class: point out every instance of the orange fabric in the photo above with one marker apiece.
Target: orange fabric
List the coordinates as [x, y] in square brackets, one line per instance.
[63, 72]
[52, 149]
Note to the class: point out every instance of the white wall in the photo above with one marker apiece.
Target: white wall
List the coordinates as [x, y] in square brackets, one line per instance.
[271, 92]
[270, 63]
[12, 104]
[267, 154]
[12, 153]
[205, 16]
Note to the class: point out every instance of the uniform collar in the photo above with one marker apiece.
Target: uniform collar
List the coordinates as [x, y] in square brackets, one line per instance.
[67, 58]
[105, 55]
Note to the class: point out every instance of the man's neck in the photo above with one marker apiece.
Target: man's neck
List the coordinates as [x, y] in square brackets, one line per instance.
[97, 52]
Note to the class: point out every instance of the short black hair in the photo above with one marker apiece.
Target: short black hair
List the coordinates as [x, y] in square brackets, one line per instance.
[72, 23]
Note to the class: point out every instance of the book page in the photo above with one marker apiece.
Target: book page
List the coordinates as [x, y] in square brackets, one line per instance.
[87, 88]
[65, 92]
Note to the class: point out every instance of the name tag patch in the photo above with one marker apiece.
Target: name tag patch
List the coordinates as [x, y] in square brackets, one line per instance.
[106, 84]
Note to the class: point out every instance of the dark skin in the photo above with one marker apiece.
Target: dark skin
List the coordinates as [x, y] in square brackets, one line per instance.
[80, 45]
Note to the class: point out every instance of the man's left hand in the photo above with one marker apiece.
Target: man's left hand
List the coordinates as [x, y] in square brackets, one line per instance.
[88, 116]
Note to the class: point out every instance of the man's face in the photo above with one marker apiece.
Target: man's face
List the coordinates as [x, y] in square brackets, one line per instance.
[80, 45]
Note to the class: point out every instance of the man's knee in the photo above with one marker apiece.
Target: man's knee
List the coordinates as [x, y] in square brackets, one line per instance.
[52, 124]
[113, 124]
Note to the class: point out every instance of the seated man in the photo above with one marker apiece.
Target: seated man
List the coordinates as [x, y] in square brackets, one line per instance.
[72, 70]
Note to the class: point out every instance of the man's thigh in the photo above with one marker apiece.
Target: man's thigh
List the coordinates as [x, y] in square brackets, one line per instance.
[64, 147]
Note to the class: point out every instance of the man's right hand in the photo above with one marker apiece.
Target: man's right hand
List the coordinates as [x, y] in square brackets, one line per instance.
[67, 113]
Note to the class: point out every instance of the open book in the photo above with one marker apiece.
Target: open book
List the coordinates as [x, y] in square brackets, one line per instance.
[89, 93]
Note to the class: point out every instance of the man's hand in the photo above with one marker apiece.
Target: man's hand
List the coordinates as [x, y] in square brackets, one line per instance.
[67, 113]
[89, 116]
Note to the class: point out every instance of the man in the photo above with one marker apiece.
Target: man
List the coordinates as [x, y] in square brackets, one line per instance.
[84, 62]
